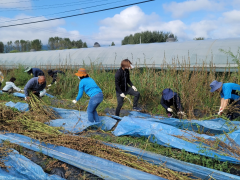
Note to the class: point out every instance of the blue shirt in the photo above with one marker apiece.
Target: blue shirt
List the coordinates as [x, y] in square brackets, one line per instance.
[89, 86]
[37, 71]
[33, 85]
[230, 91]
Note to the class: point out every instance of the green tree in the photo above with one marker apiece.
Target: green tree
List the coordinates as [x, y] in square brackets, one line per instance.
[1, 47]
[14, 51]
[146, 37]
[199, 38]
[112, 44]
[17, 45]
[85, 45]
[36, 44]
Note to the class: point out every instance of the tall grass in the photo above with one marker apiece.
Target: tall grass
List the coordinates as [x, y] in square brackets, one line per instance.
[191, 82]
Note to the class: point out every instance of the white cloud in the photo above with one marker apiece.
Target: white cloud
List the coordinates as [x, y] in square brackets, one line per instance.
[40, 31]
[18, 4]
[133, 20]
[232, 16]
[182, 8]
[204, 28]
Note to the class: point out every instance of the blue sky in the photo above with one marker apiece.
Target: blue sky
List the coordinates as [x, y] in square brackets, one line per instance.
[214, 19]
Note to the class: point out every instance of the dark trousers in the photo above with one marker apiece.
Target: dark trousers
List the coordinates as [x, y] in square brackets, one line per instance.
[9, 91]
[120, 99]
[235, 114]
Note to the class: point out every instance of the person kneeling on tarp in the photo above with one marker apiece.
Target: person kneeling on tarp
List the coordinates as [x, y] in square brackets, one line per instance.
[54, 74]
[89, 86]
[170, 98]
[10, 86]
[122, 80]
[229, 93]
[34, 71]
[35, 85]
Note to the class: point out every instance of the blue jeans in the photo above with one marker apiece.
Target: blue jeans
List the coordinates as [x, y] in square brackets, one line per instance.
[92, 106]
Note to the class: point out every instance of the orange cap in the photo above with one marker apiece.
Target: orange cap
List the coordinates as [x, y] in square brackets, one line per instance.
[81, 72]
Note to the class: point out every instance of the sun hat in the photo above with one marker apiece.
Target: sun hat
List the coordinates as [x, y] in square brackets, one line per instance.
[167, 94]
[215, 85]
[81, 72]
[27, 69]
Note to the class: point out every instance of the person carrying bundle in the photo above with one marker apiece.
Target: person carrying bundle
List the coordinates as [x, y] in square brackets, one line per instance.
[89, 86]
[10, 86]
[35, 85]
[229, 93]
[122, 80]
[54, 74]
[170, 98]
[34, 71]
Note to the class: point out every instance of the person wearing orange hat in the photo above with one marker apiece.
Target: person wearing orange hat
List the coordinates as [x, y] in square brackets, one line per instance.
[89, 86]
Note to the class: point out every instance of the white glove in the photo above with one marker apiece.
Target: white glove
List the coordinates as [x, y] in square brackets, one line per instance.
[181, 113]
[74, 101]
[55, 82]
[42, 93]
[122, 95]
[134, 88]
[169, 110]
[220, 111]
[49, 85]
[21, 90]
[25, 98]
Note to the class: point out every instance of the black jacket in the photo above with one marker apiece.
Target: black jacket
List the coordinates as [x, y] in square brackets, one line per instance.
[122, 78]
[175, 101]
[55, 75]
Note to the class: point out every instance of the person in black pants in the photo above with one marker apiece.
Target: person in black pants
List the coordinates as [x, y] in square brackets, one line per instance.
[122, 80]
[54, 74]
[170, 98]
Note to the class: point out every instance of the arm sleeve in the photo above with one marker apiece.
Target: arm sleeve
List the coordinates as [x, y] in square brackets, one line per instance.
[178, 102]
[163, 104]
[54, 78]
[117, 82]
[129, 81]
[80, 92]
[28, 86]
[15, 87]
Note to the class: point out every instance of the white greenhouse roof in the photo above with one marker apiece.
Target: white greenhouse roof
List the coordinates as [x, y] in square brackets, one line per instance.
[142, 54]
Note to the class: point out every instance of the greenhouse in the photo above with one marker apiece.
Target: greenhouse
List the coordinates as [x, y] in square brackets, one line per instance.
[142, 54]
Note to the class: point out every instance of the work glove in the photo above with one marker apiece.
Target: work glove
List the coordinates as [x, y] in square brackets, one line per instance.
[169, 110]
[74, 101]
[49, 85]
[181, 113]
[134, 88]
[122, 95]
[55, 82]
[220, 111]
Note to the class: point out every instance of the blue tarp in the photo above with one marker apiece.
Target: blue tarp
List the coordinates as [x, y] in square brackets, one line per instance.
[166, 135]
[176, 165]
[213, 126]
[101, 167]
[72, 120]
[21, 95]
[22, 168]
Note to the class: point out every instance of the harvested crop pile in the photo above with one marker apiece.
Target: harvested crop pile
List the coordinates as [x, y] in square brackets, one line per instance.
[28, 124]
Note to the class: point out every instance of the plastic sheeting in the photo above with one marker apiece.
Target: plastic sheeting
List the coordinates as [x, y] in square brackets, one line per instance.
[21, 95]
[22, 168]
[72, 120]
[166, 135]
[176, 165]
[101, 167]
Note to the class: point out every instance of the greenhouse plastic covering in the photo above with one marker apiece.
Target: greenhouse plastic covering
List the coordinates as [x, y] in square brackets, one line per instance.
[143, 54]
[21, 167]
[72, 120]
[176, 165]
[100, 167]
[169, 136]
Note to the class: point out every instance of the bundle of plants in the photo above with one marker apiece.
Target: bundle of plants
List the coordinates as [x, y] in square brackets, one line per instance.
[25, 123]
[39, 107]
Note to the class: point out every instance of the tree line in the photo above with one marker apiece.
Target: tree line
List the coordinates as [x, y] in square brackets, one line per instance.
[54, 43]
[147, 37]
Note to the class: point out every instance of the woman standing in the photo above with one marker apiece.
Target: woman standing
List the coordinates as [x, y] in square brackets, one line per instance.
[89, 86]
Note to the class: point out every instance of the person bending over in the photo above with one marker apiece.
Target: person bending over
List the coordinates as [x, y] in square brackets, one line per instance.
[122, 80]
[54, 74]
[10, 86]
[34, 71]
[170, 98]
[89, 86]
